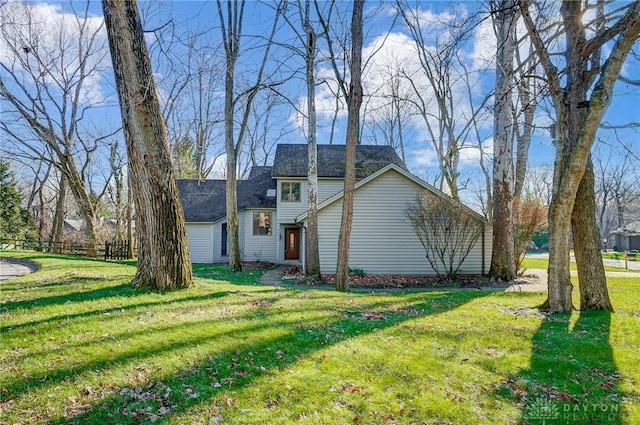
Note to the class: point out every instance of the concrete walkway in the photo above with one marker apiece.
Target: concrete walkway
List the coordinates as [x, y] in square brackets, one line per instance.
[273, 277]
[11, 268]
[537, 280]
[631, 265]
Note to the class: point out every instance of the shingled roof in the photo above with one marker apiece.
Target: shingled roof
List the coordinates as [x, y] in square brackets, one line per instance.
[252, 193]
[202, 200]
[205, 200]
[291, 160]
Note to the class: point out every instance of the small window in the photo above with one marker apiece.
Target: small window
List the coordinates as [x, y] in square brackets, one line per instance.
[290, 192]
[262, 224]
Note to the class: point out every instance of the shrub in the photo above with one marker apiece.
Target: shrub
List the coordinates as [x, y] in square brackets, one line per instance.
[357, 272]
[446, 229]
[530, 217]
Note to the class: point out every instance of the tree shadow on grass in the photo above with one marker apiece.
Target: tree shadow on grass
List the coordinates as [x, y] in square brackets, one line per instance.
[98, 312]
[237, 367]
[122, 290]
[572, 378]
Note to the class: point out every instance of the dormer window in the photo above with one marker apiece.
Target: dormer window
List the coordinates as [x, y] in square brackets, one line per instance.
[290, 192]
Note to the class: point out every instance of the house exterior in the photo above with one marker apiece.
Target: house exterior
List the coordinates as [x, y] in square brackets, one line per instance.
[628, 238]
[272, 213]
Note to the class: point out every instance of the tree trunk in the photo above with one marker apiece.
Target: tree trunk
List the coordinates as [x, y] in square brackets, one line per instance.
[85, 205]
[353, 134]
[580, 98]
[235, 264]
[129, 221]
[313, 251]
[620, 211]
[58, 217]
[559, 281]
[163, 251]
[592, 280]
[502, 259]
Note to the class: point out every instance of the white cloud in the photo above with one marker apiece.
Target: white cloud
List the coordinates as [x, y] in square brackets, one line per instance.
[424, 158]
[393, 69]
[41, 41]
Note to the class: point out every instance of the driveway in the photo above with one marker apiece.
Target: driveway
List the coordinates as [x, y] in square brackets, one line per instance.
[10, 268]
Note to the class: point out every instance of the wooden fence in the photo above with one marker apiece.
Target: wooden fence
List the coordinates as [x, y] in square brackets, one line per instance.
[109, 251]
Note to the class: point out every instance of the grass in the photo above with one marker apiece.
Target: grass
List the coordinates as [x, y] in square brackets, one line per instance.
[79, 345]
[543, 263]
[621, 256]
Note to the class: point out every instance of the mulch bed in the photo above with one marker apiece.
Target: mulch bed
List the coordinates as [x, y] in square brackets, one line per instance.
[294, 275]
[259, 265]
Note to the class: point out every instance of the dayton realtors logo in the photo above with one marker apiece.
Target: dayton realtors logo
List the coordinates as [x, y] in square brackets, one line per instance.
[543, 410]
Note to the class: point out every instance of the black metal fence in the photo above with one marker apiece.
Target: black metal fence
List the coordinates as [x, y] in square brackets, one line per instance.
[117, 250]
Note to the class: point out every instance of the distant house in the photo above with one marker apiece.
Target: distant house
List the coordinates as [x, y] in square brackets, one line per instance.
[628, 237]
[272, 205]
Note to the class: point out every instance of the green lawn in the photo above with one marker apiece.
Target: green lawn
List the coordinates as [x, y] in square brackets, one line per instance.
[621, 256]
[543, 263]
[79, 345]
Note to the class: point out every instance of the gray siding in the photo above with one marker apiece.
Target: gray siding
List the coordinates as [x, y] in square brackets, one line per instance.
[259, 247]
[200, 236]
[329, 187]
[288, 211]
[382, 240]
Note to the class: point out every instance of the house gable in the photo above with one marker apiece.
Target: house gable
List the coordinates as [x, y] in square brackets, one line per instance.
[406, 174]
[382, 239]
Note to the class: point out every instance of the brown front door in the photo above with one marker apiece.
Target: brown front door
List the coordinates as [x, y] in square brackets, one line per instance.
[292, 244]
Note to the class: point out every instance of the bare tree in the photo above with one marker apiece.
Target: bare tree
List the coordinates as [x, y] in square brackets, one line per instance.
[388, 113]
[117, 190]
[313, 250]
[447, 230]
[50, 88]
[231, 29]
[503, 253]
[163, 250]
[539, 183]
[580, 96]
[354, 101]
[436, 100]
[191, 76]
[616, 189]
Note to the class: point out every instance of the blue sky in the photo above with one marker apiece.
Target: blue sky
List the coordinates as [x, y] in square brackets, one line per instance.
[187, 17]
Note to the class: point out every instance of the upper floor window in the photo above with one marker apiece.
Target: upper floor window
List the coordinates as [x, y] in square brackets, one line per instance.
[262, 224]
[290, 192]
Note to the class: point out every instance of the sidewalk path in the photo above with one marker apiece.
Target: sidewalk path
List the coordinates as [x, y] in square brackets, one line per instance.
[538, 280]
[273, 277]
[631, 265]
[10, 268]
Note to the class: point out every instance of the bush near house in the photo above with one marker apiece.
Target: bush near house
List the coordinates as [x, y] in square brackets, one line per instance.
[447, 231]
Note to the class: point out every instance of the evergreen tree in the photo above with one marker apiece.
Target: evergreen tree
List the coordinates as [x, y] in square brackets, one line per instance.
[15, 221]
